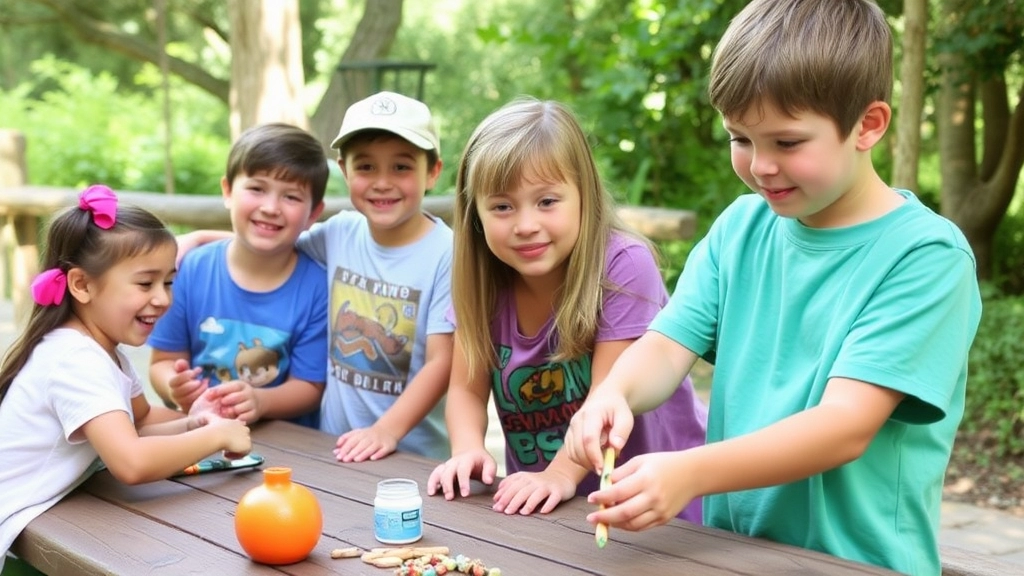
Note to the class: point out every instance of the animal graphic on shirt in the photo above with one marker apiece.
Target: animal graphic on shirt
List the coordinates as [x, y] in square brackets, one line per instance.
[535, 403]
[354, 333]
[543, 385]
[257, 364]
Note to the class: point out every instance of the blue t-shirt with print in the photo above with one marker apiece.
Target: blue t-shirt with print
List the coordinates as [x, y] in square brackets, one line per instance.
[263, 338]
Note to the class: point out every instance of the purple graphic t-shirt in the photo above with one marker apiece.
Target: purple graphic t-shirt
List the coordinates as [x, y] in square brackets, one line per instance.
[536, 398]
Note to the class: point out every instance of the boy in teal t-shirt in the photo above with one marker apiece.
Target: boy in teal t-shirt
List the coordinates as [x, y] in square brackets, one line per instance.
[838, 312]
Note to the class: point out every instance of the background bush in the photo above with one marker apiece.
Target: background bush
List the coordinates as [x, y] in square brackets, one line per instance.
[78, 133]
[995, 384]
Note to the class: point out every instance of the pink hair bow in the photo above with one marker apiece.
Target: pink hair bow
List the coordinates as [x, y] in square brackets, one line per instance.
[102, 202]
[49, 287]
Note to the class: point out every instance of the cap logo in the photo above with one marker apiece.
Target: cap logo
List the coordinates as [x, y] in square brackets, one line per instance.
[383, 107]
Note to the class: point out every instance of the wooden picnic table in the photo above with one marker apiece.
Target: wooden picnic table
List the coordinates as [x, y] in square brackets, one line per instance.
[186, 526]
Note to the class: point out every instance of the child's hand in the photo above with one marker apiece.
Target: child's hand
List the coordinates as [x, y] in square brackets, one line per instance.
[365, 443]
[240, 401]
[522, 492]
[603, 420]
[185, 387]
[209, 403]
[475, 464]
[235, 440]
[647, 491]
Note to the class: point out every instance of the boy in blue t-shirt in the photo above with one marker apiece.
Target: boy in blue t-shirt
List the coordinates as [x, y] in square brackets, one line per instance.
[248, 314]
[838, 312]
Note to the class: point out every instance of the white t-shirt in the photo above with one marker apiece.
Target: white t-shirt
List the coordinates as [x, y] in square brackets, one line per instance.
[68, 380]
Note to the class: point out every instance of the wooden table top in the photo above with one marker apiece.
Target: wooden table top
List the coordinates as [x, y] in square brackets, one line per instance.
[186, 526]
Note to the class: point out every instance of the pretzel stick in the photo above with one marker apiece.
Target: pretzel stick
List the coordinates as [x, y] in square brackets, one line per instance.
[601, 534]
[352, 552]
[404, 553]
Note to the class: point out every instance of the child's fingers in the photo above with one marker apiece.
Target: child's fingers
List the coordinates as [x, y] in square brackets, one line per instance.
[463, 473]
[381, 452]
[488, 471]
[445, 475]
[593, 437]
[628, 515]
[622, 486]
[434, 481]
[615, 430]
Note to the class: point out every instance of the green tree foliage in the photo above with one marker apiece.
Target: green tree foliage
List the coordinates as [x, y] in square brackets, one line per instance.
[636, 72]
[101, 36]
[82, 128]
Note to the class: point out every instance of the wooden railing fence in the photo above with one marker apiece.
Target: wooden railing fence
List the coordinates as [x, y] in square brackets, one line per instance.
[24, 210]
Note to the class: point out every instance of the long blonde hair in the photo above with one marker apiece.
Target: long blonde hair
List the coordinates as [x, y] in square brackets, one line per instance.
[545, 139]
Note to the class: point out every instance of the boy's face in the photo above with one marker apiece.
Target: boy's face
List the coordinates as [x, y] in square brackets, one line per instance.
[387, 178]
[268, 214]
[800, 165]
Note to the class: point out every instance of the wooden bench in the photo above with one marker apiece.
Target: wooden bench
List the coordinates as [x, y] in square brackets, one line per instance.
[958, 561]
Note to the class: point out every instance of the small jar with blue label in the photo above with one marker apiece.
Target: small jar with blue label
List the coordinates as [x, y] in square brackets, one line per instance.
[397, 511]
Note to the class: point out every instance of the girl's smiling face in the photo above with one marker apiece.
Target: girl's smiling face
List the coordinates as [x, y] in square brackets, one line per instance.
[122, 305]
[534, 227]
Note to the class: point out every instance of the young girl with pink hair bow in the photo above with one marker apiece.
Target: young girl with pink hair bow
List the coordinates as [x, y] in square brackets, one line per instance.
[70, 401]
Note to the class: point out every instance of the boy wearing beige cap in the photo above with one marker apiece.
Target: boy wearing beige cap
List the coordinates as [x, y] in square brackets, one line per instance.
[389, 286]
[389, 270]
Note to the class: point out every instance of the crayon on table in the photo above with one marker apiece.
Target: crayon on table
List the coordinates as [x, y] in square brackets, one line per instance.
[601, 534]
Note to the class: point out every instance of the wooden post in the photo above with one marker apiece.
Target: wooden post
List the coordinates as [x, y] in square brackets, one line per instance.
[24, 265]
[12, 158]
[12, 173]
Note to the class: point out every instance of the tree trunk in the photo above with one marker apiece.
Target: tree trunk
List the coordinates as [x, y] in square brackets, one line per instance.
[160, 6]
[266, 64]
[976, 197]
[908, 123]
[372, 40]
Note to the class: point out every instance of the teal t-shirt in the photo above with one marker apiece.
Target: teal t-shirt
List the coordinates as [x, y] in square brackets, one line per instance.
[781, 308]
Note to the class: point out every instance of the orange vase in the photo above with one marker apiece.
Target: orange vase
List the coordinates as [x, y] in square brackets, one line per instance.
[278, 522]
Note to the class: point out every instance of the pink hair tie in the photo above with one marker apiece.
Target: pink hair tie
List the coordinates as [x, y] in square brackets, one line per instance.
[101, 201]
[49, 287]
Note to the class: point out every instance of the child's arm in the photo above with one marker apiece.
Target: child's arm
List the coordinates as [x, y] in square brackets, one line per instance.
[833, 433]
[172, 378]
[420, 396]
[159, 420]
[196, 238]
[525, 492]
[293, 397]
[641, 379]
[134, 459]
[466, 420]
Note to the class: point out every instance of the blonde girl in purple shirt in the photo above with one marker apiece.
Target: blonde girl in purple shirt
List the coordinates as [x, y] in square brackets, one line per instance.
[548, 289]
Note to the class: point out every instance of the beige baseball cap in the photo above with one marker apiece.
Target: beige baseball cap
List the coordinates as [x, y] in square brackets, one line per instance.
[391, 112]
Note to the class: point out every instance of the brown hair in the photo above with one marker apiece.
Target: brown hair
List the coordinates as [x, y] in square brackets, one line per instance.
[283, 151]
[829, 57]
[543, 138]
[373, 134]
[75, 241]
